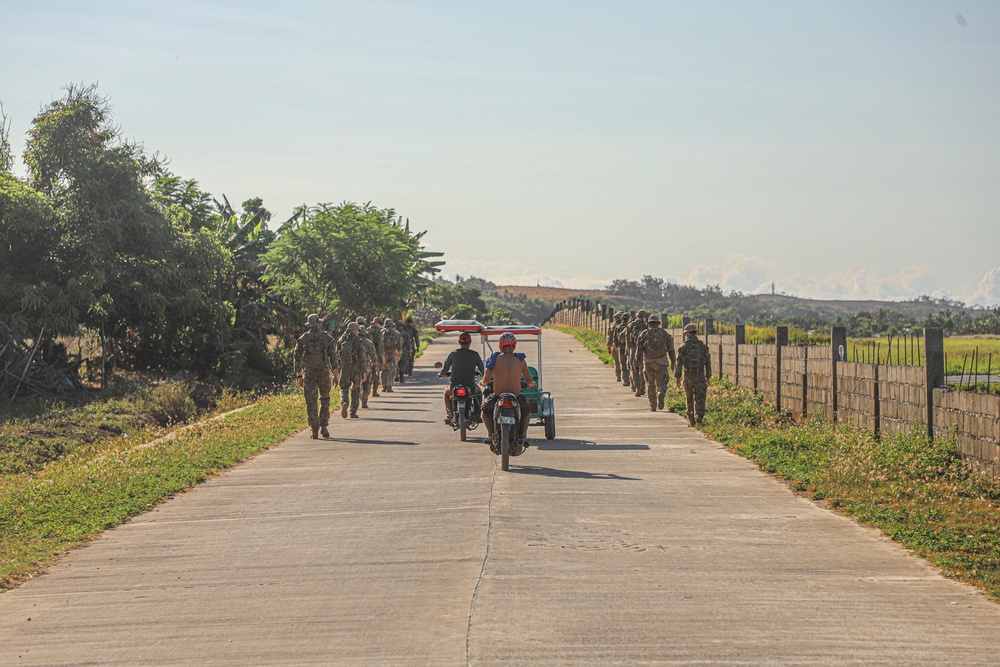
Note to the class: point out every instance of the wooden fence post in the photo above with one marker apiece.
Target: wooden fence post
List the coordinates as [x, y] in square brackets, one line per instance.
[838, 353]
[780, 341]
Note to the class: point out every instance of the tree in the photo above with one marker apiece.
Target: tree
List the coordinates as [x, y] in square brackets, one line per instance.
[344, 260]
[146, 285]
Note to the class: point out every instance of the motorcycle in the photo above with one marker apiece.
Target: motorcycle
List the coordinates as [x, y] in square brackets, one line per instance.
[506, 429]
[465, 408]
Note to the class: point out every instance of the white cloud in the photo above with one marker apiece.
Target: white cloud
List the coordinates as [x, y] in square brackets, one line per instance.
[737, 272]
[988, 291]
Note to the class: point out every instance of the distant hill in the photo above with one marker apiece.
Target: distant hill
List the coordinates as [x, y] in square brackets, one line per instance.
[746, 306]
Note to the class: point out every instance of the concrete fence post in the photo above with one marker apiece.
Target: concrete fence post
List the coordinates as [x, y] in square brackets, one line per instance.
[933, 370]
[685, 321]
[780, 341]
[876, 405]
[709, 326]
[838, 353]
[741, 339]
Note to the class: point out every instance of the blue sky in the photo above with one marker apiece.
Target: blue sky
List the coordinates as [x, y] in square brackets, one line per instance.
[838, 149]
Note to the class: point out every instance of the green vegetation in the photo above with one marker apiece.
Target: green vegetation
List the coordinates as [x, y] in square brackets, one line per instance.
[101, 240]
[475, 298]
[919, 493]
[66, 477]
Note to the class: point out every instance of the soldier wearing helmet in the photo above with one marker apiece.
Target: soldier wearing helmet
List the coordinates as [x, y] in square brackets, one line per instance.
[613, 345]
[655, 353]
[315, 356]
[392, 345]
[634, 328]
[695, 360]
[463, 365]
[506, 374]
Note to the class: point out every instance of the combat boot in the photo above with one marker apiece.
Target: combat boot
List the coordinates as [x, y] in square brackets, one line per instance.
[698, 422]
[315, 434]
[660, 400]
[325, 431]
[652, 408]
[343, 411]
[690, 421]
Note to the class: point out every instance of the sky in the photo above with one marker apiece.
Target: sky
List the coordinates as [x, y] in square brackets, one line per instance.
[840, 149]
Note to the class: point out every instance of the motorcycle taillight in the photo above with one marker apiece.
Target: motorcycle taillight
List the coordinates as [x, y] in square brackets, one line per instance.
[507, 403]
[461, 391]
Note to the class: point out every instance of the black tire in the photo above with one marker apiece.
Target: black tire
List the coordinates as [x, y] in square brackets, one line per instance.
[505, 441]
[462, 424]
[550, 427]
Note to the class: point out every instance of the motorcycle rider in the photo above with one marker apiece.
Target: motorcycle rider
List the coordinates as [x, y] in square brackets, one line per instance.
[506, 374]
[463, 364]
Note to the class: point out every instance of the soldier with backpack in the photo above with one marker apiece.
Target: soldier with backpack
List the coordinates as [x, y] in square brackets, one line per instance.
[655, 353]
[315, 356]
[613, 345]
[634, 328]
[353, 360]
[696, 361]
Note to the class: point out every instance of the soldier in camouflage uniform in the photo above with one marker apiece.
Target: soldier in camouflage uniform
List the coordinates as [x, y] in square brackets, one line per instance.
[405, 353]
[393, 345]
[411, 327]
[371, 365]
[376, 331]
[695, 359]
[353, 358]
[655, 352]
[613, 345]
[621, 335]
[315, 356]
[635, 327]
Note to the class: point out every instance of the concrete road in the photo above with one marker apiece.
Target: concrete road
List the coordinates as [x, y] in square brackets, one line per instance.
[630, 539]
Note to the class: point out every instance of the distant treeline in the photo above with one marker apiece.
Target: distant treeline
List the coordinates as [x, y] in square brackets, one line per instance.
[101, 238]
[738, 308]
[479, 299]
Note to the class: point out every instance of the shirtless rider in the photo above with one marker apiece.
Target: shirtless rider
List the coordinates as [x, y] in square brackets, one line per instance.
[506, 374]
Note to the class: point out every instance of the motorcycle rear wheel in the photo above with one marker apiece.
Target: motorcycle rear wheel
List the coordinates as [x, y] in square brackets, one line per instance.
[462, 424]
[506, 436]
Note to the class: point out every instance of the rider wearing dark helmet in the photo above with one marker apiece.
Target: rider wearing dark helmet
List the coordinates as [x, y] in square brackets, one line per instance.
[506, 374]
[463, 363]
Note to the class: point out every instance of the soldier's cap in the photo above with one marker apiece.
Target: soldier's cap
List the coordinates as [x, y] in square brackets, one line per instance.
[312, 320]
[653, 319]
[641, 313]
[388, 323]
[691, 328]
[618, 316]
[353, 326]
[377, 320]
[361, 319]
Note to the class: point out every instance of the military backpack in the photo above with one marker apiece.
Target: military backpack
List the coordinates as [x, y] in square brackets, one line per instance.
[695, 354]
[352, 352]
[315, 355]
[656, 343]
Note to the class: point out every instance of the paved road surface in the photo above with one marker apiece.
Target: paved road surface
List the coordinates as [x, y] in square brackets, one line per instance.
[629, 539]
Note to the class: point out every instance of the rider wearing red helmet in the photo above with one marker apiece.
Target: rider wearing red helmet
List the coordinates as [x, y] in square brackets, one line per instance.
[506, 374]
[463, 364]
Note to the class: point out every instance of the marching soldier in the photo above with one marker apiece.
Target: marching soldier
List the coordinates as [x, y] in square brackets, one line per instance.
[695, 359]
[376, 331]
[352, 369]
[613, 345]
[621, 336]
[635, 327]
[405, 353]
[392, 345]
[315, 356]
[411, 327]
[655, 352]
[371, 364]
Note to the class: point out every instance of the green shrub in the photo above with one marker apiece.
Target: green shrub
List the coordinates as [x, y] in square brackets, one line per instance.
[171, 403]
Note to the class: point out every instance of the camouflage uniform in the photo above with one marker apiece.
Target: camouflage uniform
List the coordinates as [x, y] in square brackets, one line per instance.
[315, 356]
[621, 334]
[411, 327]
[405, 353]
[376, 332]
[635, 327]
[695, 359]
[393, 344]
[613, 345]
[371, 365]
[353, 357]
[655, 352]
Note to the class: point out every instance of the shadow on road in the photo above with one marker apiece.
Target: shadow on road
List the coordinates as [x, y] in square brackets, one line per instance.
[558, 445]
[570, 474]
[358, 441]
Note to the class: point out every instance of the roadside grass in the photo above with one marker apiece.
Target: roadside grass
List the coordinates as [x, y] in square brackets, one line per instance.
[919, 493]
[68, 475]
[426, 336]
[595, 341]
